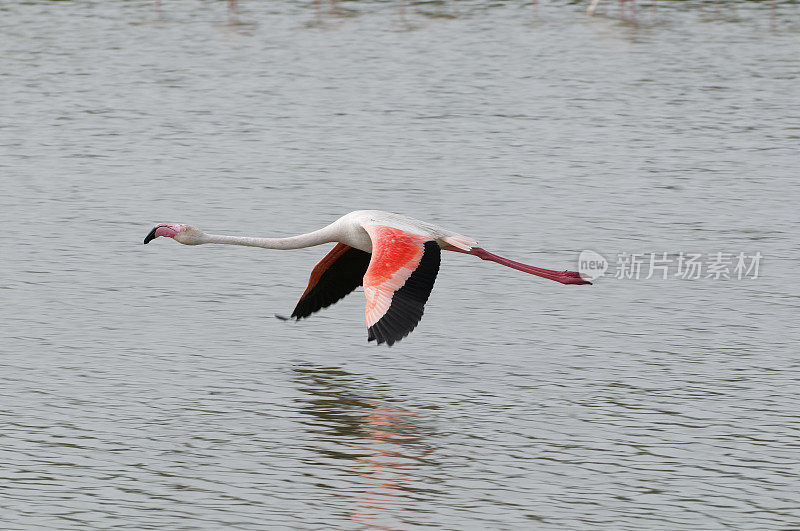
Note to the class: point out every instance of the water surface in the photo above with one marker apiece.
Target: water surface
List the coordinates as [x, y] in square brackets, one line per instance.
[151, 387]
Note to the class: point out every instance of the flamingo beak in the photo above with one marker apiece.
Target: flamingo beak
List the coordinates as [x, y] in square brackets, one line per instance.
[168, 230]
[150, 236]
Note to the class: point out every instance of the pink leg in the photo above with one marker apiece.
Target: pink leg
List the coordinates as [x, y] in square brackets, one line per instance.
[565, 277]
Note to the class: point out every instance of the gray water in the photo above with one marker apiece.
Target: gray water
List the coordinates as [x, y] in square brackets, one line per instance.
[152, 388]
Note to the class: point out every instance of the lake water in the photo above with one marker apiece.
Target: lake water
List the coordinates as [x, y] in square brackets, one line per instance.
[152, 388]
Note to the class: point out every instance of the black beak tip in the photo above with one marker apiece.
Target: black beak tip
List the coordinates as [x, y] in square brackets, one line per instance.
[150, 236]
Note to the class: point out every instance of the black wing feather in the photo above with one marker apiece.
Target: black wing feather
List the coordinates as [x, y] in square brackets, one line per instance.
[341, 277]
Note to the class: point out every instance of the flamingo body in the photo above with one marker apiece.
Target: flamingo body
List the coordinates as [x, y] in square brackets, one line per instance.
[396, 258]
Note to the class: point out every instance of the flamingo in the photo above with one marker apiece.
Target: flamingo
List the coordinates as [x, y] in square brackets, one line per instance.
[396, 258]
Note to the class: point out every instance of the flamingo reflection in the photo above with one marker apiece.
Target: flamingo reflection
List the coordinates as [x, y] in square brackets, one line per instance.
[385, 443]
[396, 452]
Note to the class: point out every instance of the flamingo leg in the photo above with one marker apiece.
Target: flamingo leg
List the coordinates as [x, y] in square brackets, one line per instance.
[564, 277]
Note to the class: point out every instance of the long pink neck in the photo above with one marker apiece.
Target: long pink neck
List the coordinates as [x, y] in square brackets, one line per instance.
[565, 277]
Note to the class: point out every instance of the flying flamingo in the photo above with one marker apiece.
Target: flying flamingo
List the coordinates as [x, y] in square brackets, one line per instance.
[395, 257]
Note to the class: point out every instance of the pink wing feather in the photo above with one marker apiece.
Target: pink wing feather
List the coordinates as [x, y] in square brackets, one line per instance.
[398, 281]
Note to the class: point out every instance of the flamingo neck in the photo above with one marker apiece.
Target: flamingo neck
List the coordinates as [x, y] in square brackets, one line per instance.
[318, 237]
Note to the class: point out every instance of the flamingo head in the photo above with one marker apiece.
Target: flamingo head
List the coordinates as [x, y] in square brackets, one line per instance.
[185, 234]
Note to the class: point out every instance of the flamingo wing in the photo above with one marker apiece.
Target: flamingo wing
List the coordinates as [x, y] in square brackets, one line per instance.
[398, 282]
[337, 274]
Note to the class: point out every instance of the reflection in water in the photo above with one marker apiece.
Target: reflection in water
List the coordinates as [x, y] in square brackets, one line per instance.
[396, 452]
[384, 441]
